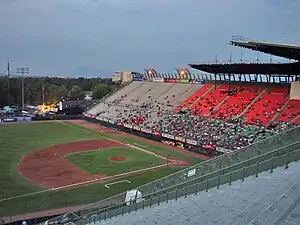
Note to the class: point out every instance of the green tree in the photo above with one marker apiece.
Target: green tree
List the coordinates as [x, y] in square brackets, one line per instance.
[100, 90]
[75, 93]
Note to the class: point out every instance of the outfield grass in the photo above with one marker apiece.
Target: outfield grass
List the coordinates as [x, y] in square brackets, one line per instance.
[17, 140]
[98, 161]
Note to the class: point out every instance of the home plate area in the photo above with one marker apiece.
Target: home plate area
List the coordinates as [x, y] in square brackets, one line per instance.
[73, 164]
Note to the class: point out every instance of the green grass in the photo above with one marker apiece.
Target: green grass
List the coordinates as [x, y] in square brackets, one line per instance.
[17, 140]
[98, 161]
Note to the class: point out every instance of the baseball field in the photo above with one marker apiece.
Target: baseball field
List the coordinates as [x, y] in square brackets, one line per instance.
[52, 165]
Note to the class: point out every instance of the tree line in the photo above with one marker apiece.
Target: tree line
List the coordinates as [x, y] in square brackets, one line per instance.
[51, 89]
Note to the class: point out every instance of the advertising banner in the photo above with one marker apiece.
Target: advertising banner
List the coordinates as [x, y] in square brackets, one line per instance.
[192, 81]
[191, 142]
[180, 139]
[160, 80]
[184, 81]
[138, 78]
[128, 125]
[167, 136]
[9, 119]
[105, 120]
[23, 119]
[146, 130]
[136, 127]
[111, 121]
[156, 133]
[98, 118]
[120, 124]
[224, 150]
[170, 80]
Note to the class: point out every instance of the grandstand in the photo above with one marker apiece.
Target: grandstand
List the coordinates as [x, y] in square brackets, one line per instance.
[249, 119]
[267, 199]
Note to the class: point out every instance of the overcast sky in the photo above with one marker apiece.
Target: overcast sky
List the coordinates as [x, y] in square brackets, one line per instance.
[97, 37]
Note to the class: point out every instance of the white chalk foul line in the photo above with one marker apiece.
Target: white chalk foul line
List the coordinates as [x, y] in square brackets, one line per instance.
[97, 179]
[117, 182]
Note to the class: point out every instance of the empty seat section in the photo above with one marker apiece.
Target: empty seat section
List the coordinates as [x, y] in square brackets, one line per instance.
[191, 99]
[236, 103]
[265, 108]
[290, 112]
[208, 102]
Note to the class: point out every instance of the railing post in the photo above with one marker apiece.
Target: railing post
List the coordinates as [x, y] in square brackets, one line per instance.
[158, 199]
[196, 192]
[122, 210]
[143, 203]
[257, 169]
[230, 178]
[287, 160]
[206, 188]
[167, 197]
[176, 194]
[272, 165]
[218, 184]
[243, 174]
[185, 192]
[129, 207]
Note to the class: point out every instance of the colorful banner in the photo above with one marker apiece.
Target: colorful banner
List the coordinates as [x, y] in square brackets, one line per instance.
[120, 124]
[156, 133]
[191, 142]
[160, 80]
[180, 139]
[23, 119]
[167, 136]
[224, 150]
[128, 125]
[138, 78]
[170, 80]
[146, 130]
[136, 127]
[185, 81]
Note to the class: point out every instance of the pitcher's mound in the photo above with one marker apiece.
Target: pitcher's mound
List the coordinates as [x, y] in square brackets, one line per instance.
[118, 158]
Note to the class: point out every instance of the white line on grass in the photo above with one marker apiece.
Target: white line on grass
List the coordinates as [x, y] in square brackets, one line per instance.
[117, 182]
[97, 179]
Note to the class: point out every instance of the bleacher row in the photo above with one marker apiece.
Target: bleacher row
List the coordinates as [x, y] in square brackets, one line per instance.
[226, 116]
[258, 106]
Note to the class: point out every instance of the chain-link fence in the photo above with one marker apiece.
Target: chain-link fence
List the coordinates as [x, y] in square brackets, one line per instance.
[197, 171]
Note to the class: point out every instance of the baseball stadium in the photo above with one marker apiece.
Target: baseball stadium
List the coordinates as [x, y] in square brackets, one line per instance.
[221, 146]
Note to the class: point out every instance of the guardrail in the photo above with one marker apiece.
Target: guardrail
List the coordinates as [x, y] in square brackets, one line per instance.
[199, 170]
[267, 161]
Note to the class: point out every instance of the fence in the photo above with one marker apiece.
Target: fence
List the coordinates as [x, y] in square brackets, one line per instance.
[198, 171]
[264, 162]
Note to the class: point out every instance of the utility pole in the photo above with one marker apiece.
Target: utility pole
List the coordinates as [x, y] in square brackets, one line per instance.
[43, 91]
[23, 71]
[8, 83]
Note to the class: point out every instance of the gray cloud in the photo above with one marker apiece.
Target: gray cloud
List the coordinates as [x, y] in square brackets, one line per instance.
[64, 37]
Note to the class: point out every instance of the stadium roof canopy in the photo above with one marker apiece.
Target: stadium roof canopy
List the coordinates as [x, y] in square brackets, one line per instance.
[250, 68]
[289, 51]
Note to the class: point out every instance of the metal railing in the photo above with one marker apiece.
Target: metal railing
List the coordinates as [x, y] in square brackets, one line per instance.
[202, 169]
[254, 166]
